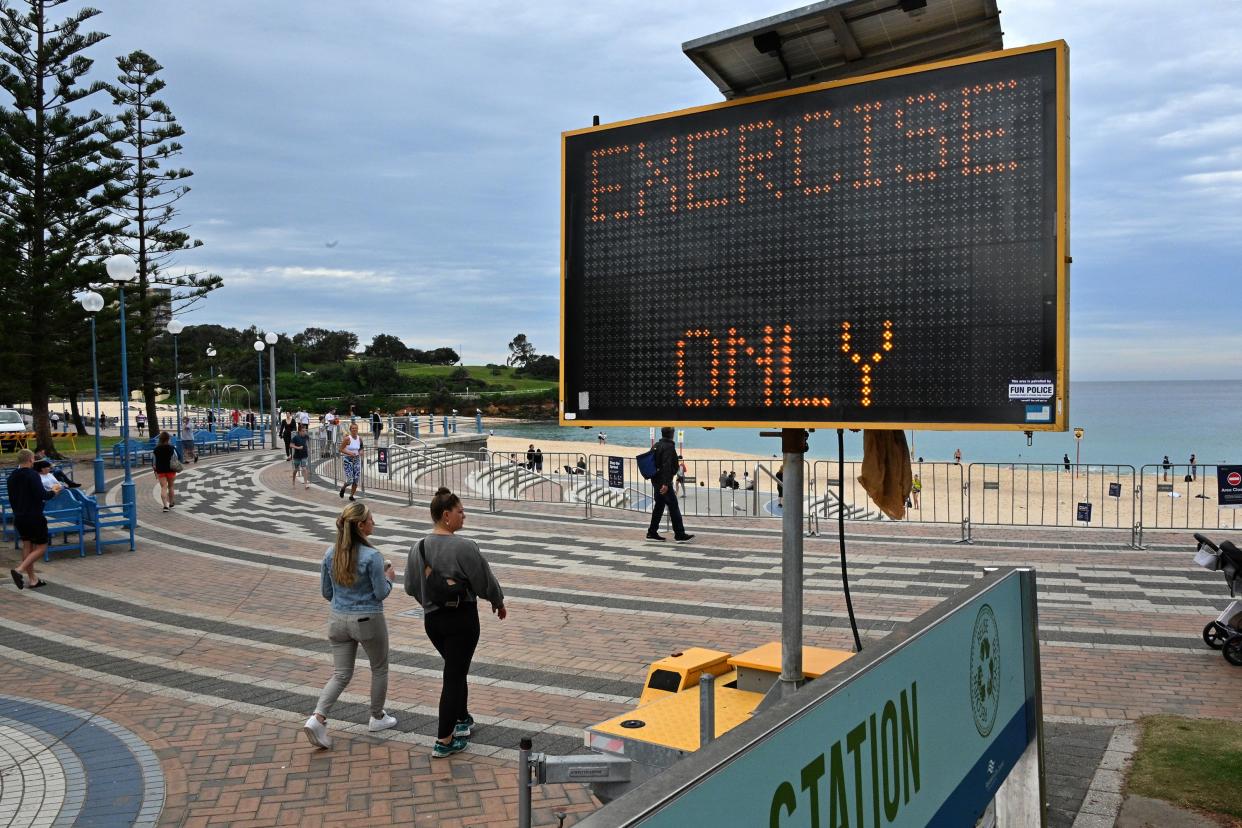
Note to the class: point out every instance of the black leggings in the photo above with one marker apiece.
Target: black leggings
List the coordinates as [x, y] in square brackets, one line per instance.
[455, 634]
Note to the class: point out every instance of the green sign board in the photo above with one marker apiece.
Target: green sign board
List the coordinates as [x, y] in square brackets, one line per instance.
[921, 733]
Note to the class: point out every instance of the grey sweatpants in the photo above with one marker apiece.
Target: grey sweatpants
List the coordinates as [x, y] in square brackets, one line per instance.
[346, 632]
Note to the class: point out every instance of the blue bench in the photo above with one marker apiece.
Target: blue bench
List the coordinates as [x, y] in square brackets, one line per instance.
[100, 518]
[205, 442]
[139, 453]
[239, 435]
[64, 518]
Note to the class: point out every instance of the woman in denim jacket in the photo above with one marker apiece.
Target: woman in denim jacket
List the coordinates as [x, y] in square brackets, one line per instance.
[356, 580]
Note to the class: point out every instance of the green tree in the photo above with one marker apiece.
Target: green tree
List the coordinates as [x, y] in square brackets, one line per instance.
[322, 345]
[147, 134]
[442, 356]
[58, 170]
[387, 346]
[521, 351]
[544, 366]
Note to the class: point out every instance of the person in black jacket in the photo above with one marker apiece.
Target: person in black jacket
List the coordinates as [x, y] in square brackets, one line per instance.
[26, 496]
[665, 495]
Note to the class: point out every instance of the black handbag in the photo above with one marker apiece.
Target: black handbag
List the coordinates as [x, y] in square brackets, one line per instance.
[445, 592]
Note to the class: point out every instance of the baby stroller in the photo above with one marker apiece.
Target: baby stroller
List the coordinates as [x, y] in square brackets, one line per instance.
[1225, 633]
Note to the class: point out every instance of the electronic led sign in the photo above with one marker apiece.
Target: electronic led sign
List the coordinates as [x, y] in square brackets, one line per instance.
[885, 251]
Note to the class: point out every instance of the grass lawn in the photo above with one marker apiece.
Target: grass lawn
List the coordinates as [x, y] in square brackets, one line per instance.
[505, 381]
[85, 450]
[1194, 763]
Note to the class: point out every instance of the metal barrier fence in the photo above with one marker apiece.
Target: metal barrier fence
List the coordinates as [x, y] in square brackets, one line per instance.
[980, 494]
[1182, 496]
[1051, 494]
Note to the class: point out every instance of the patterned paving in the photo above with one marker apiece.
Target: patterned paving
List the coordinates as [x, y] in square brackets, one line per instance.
[208, 643]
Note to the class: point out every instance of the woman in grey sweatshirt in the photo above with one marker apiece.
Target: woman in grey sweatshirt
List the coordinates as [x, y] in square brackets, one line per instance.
[452, 626]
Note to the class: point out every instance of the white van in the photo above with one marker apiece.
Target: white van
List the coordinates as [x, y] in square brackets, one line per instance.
[11, 422]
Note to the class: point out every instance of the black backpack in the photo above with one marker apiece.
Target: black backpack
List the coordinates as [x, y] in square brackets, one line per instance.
[446, 592]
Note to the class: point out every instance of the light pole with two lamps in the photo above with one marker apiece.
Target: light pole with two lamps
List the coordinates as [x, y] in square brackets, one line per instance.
[93, 303]
[270, 338]
[122, 270]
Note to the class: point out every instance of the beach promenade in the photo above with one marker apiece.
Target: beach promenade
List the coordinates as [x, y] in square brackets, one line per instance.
[169, 685]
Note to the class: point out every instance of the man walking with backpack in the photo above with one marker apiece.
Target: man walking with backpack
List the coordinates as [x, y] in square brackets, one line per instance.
[665, 494]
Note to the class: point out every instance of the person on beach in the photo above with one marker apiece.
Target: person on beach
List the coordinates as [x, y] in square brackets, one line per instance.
[681, 476]
[444, 559]
[26, 499]
[603, 438]
[916, 489]
[957, 456]
[351, 465]
[539, 461]
[162, 459]
[1194, 469]
[530, 457]
[1065, 461]
[665, 494]
[582, 464]
[300, 446]
[1166, 464]
[356, 579]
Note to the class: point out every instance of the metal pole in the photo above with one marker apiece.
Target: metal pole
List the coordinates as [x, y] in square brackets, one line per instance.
[524, 748]
[128, 498]
[260, 423]
[707, 709]
[272, 379]
[793, 446]
[100, 485]
[177, 391]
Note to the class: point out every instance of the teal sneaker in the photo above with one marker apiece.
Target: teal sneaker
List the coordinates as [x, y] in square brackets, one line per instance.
[464, 728]
[441, 751]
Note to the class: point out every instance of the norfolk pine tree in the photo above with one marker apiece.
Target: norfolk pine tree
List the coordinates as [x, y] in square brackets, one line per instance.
[146, 135]
[57, 166]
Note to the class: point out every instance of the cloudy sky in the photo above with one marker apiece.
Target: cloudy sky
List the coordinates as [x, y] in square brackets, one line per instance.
[422, 141]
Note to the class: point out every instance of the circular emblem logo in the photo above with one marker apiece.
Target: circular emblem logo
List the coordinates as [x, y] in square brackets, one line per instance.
[1234, 478]
[985, 670]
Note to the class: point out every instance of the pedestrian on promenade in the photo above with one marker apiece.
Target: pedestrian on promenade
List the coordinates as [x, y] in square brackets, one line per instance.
[26, 498]
[351, 465]
[1065, 461]
[303, 417]
[236, 417]
[287, 429]
[377, 425]
[188, 451]
[250, 421]
[1194, 469]
[441, 564]
[356, 579]
[162, 459]
[1165, 463]
[665, 495]
[530, 457]
[300, 443]
[211, 421]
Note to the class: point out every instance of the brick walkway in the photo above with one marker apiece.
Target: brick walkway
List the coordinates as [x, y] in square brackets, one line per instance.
[207, 644]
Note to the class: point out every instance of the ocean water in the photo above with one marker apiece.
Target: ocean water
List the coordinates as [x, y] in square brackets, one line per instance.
[1130, 423]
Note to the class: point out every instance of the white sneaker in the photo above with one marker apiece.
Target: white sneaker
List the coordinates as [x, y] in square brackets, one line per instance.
[317, 733]
[381, 724]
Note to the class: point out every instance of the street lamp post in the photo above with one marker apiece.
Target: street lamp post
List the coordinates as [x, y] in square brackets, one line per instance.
[121, 269]
[258, 349]
[215, 391]
[93, 303]
[1078, 432]
[270, 338]
[175, 327]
